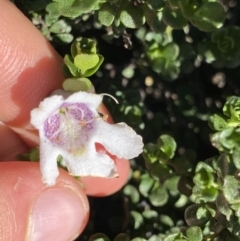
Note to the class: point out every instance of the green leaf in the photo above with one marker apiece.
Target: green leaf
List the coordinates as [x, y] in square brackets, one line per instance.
[194, 233]
[64, 37]
[200, 14]
[60, 27]
[158, 196]
[146, 185]
[166, 220]
[155, 4]
[223, 206]
[172, 185]
[132, 17]
[150, 214]
[53, 13]
[235, 157]
[99, 237]
[171, 51]
[86, 61]
[154, 19]
[232, 110]
[204, 194]
[122, 237]
[188, 7]
[106, 14]
[90, 72]
[138, 219]
[160, 172]
[227, 42]
[231, 189]
[34, 154]
[173, 3]
[224, 166]
[197, 215]
[171, 237]
[157, 25]
[167, 145]
[132, 192]
[204, 175]
[138, 239]
[150, 153]
[155, 238]
[75, 8]
[217, 122]
[68, 60]
[78, 84]
[207, 21]
[174, 18]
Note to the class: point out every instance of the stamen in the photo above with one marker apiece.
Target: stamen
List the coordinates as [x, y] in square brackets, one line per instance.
[105, 117]
[82, 123]
[102, 116]
[103, 94]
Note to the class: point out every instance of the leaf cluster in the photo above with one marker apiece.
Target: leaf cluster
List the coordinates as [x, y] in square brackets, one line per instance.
[171, 64]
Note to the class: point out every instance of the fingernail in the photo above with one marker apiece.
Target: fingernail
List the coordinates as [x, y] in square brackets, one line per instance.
[58, 214]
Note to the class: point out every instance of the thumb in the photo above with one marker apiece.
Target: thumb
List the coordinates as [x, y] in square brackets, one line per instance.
[31, 211]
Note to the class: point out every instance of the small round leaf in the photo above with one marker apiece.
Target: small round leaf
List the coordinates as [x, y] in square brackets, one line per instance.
[86, 61]
[78, 84]
[174, 18]
[194, 233]
[132, 17]
[106, 14]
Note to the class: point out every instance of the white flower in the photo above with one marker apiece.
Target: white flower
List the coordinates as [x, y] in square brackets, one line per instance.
[69, 125]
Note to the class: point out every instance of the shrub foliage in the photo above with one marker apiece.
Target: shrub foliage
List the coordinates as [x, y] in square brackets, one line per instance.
[173, 65]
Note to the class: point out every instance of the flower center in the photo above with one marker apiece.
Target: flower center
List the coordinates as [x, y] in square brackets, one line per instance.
[70, 126]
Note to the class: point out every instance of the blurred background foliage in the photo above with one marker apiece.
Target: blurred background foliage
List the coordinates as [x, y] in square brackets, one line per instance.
[174, 66]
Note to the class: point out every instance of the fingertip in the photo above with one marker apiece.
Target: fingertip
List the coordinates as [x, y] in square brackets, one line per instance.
[30, 68]
[10, 144]
[35, 212]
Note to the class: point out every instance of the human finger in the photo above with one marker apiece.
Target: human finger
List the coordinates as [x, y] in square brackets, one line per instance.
[30, 70]
[10, 144]
[31, 211]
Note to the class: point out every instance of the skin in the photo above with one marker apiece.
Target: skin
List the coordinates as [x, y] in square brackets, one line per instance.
[30, 70]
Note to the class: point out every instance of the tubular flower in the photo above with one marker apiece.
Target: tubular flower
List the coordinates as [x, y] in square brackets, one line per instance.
[69, 126]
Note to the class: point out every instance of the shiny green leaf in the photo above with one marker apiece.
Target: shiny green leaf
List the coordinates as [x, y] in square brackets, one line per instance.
[138, 219]
[217, 122]
[197, 215]
[146, 185]
[86, 61]
[78, 84]
[106, 14]
[131, 192]
[231, 189]
[158, 196]
[194, 233]
[75, 8]
[122, 237]
[167, 145]
[132, 17]
[174, 18]
[99, 237]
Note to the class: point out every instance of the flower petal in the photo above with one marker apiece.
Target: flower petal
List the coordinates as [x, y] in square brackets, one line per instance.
[48, 162]
[92, 100]
[119, 139]
[89, 163]
[45, 109]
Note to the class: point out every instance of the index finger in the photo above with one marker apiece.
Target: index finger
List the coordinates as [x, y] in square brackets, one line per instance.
[30, 70]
